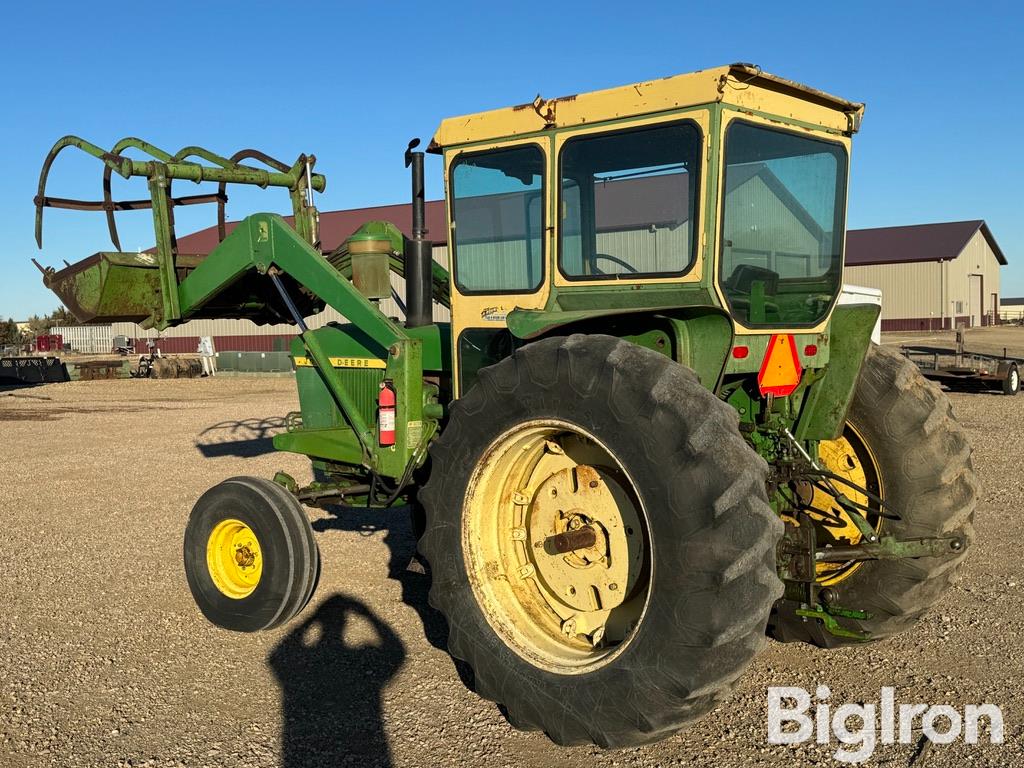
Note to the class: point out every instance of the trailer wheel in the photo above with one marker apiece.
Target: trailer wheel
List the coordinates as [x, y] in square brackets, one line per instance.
[600, 541]
[250, 557]
[1011, 384]
[904, 444]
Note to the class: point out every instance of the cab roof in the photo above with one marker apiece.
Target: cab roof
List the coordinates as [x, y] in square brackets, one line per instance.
[744, 86]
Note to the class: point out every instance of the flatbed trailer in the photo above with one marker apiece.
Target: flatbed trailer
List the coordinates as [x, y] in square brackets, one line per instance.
[961, 369]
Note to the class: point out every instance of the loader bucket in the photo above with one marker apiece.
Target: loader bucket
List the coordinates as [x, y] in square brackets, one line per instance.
[143, 287]
[109, 286]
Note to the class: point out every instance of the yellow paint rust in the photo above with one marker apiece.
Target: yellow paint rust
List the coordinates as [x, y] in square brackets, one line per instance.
[569, 612]
[745, 86]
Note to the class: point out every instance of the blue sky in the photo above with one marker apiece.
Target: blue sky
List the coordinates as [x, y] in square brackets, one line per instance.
[353, 82]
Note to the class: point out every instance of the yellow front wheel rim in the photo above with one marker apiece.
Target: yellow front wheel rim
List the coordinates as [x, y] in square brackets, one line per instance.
[234, 558]
[557, 547]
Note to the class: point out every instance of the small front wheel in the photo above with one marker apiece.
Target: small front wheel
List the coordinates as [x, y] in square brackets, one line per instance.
[250, 557]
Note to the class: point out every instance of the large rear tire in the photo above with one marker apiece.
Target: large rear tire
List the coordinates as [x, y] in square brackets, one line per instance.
[645, 622]
[916, 456]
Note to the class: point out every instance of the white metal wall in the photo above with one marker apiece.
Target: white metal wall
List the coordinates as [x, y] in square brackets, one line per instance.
[975, 259]
[910, 290]
[85, 338]
[650, 249]
[1013, 313]
[770, 232]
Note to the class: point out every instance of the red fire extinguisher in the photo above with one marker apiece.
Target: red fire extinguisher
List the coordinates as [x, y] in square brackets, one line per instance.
[386, 414]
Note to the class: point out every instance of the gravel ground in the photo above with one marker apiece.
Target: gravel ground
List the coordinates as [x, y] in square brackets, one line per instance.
[104, 661]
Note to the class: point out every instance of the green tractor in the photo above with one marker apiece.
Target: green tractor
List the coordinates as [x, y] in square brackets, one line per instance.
[649, 437]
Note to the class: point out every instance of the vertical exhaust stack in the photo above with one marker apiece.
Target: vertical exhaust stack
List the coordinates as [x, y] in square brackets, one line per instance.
[418, 250]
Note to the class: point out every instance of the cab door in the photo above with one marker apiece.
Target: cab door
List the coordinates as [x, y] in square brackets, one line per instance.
[499, 246]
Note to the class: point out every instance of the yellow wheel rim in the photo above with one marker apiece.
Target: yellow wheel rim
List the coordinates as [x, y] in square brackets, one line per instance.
[556, 545]
[850, 458]
[234, 558]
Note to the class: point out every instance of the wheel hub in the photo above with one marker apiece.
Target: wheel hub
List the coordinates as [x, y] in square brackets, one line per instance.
[244, 557]
[597, 577]
[556, 546]
[234, 558]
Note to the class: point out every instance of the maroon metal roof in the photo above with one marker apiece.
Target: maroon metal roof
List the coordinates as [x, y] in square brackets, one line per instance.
[336, 226]
[919, 242]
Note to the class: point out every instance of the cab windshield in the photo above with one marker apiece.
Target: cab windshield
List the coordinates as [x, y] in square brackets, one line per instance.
[782, 226]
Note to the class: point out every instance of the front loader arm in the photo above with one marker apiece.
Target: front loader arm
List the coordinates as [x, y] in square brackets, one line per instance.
[264, 270]
[263, 241]
[266, 244]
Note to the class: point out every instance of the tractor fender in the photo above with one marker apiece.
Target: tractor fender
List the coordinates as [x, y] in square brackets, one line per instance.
[698, 337]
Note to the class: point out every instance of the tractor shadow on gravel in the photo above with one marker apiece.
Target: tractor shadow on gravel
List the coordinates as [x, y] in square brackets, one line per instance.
[244, 439]
[404, 566]
[401, 543]
[332, 669]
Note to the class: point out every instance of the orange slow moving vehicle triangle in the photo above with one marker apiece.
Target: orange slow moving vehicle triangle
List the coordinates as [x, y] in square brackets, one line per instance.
[781, 370]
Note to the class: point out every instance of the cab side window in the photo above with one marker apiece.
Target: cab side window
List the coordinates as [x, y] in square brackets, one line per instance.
[497, 213]
[628, 202]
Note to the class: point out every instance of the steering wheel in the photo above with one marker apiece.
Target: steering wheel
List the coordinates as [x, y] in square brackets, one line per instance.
[630, 269]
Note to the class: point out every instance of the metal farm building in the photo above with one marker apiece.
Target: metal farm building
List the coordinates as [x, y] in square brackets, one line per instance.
[1011, 310]
[932, 276]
